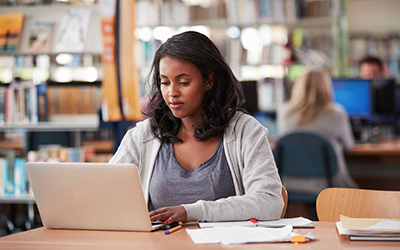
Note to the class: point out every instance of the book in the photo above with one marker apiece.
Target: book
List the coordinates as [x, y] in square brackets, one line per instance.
[3, 105]
[19, 177]
[10, 31]
[73, 30]
[42, 104]
[8, 172]
[3, 165]
[369, 228]
[40, 38]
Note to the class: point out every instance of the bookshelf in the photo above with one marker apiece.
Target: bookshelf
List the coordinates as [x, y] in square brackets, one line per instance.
[68, 79]
[23, 199]
[280, 33]
[72, 123]
[77, 75]
[383, 46]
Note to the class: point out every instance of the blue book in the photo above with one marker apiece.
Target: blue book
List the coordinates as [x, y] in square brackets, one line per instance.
[8, 177]
[42, 103]
[19, 176]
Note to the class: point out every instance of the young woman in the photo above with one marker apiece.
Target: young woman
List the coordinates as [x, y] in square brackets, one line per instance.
[200, 157]
[311, 107]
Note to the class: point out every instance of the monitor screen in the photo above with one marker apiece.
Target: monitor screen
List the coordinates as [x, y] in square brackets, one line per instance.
[354, 95]
[384, 92]
[251, 96]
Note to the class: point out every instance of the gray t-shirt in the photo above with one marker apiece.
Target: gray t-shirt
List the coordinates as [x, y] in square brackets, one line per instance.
[173, 185]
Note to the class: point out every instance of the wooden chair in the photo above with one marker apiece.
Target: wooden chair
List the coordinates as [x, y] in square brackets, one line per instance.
[285, 200]
[357, 203]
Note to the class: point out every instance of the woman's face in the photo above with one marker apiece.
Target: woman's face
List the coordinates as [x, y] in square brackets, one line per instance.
[182, 88]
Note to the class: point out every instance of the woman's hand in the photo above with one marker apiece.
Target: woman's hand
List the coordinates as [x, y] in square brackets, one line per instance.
[169, 214]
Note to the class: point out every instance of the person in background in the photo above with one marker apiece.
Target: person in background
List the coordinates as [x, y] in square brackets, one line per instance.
[199, 156]
[371, 68]
[311, 108]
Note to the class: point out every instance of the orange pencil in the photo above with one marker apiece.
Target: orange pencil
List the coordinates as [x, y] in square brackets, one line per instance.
[173, 230]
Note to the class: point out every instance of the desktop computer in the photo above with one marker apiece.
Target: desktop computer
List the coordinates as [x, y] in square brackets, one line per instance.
[369, 103]
[251, 96]
[384, 94]
[355, 95]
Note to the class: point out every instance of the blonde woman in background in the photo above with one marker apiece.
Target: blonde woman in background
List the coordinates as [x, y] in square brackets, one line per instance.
[311, 108]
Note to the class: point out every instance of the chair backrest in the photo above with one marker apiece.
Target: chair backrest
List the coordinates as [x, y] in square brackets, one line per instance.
[285, 200]
[305, 154]
[357, 203]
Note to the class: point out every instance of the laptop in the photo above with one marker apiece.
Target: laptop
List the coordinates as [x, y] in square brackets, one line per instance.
[94, 196]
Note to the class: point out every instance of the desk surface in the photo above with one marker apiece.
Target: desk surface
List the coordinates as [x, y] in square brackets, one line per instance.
[385, 148]
[42, 238]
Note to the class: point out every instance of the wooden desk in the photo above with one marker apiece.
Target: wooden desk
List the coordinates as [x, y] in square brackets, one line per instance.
[42, 238]
[385, 148]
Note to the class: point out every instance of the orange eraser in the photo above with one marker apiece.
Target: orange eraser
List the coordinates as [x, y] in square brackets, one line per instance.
[299, 239]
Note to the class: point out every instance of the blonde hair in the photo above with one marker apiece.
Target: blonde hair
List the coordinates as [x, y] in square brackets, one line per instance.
[311, 94]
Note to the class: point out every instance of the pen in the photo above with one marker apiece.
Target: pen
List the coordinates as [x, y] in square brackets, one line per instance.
[169, 226]
[173, 230]
[255, 222]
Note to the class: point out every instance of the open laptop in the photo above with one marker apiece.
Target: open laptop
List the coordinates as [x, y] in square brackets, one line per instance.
[95, 196]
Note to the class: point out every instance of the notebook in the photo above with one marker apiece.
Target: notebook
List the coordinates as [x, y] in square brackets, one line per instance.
[94, 196]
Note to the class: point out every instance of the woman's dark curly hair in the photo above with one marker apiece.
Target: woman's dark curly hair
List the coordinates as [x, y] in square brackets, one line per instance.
[220, 103]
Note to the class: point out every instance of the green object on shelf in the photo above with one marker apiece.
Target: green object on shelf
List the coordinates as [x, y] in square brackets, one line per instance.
[295, 71]
[298, 36]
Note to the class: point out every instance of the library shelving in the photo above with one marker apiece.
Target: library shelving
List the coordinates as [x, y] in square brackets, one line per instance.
[50, 87]
[385, 47]
[260, 39]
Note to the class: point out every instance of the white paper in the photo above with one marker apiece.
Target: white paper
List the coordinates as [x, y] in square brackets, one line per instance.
[299, 221]
[340, 228]
[386, 225]
[295, 222]
[225, 224]
[239, 235]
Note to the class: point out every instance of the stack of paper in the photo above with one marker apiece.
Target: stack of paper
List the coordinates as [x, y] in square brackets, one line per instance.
[298, 222]
[369, 229]
[239, 235]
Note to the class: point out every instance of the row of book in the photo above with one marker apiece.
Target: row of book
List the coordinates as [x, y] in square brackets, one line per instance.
[235, 12]
[385, 48]
[58, 153]
[13, 178]
[25, 103]
[153, 13]
[73, 100]
[275, 11]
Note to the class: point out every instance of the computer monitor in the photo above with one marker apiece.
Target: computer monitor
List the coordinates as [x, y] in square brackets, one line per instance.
[354, 95]
[251, 96]
[384, 95]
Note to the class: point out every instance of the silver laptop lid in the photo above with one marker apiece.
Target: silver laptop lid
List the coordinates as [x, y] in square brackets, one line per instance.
[95, 196]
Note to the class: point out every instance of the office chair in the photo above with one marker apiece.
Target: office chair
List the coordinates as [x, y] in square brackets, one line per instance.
[357, 203]
[305, 154]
